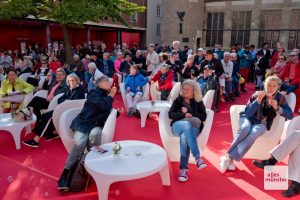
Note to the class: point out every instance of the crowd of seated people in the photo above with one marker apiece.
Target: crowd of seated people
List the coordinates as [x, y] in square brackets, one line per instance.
[225, 72]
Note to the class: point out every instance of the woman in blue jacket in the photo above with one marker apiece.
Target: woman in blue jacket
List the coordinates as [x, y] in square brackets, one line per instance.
[256, 120]
[134, 86]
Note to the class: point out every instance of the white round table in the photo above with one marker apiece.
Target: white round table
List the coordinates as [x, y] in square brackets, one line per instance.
[145, 107]
[137, 159]
[7, 123]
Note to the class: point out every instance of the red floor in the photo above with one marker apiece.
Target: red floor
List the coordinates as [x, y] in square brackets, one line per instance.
[32, 173]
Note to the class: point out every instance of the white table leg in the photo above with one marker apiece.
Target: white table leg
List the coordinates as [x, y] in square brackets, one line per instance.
[165, 175]
[144, 114]
[16, 131]
[103, 188]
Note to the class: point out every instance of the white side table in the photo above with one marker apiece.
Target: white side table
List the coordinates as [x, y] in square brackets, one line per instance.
[15, 128]
[137, 159]
[145, 107]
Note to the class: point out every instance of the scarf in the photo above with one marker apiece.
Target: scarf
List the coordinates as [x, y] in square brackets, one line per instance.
[163, 78]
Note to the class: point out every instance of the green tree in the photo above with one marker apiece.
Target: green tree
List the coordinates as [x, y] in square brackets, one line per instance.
[69, 12]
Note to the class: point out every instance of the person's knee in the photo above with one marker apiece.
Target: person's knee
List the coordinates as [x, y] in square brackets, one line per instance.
[80, 139]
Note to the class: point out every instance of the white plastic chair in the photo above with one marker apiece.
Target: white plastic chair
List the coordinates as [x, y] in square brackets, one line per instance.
[174, 92]
[171, 142]
[54, 102]
[67, 135]
[145, 96]
[61, 108]
[24, 76]
[291, 100]
[42, 81]
[41, 93]
[208, 99]
[262, 146]
[293, 125]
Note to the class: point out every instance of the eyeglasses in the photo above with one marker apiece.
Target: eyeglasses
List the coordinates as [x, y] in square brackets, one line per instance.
[292, 55]
[280, 58]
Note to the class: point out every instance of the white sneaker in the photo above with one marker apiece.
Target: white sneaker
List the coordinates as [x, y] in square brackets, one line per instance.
[231, 166]
[224, 163]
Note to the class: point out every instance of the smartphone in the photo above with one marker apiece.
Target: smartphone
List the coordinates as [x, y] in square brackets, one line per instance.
[99, 149]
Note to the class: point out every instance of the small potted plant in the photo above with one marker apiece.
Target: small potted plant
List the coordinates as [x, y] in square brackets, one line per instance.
[117, 149]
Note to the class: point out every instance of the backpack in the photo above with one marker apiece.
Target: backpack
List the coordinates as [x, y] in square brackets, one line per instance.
[79, 178]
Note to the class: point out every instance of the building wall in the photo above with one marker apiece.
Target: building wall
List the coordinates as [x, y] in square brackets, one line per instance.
[256, 6]
[152, 20]
[195, 20]
[192, 24]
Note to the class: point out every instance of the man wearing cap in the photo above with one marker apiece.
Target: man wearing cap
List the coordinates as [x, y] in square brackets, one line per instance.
[175, 64]
[207, 80]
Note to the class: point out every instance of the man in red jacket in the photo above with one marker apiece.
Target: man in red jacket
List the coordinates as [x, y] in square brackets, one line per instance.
[165, 81]
[292, 70]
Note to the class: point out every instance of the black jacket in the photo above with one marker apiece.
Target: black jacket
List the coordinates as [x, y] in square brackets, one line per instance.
[110, 68]
[215, 63]
[95, 111]
[262, 66]
[267, 55]
[62, 88]
[76, 93]
[197, 109]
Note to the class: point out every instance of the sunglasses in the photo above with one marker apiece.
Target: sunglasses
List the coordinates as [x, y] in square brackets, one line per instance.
[292, 55]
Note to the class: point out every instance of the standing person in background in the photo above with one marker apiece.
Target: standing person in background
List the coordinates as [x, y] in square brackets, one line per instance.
[252, 69]
[62, 54]
[176, 48]
[220, 52]
[5, 60]
[246, 59]
[261, 65]
[152, 59]
[134, 49]
[235, 74]
[117, 65]
[266, 52]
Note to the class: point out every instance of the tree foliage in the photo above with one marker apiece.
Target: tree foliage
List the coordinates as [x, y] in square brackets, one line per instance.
[69, 11]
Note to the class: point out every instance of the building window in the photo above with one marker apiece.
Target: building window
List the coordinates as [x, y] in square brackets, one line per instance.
[158, 29]
[294, 37]
[133, 18]
[158, 10]
[269, 27]
[241, 24]
[215, 26]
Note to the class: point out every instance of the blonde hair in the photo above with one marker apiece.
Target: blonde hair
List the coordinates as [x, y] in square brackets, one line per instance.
[197, 95]
[270, 79]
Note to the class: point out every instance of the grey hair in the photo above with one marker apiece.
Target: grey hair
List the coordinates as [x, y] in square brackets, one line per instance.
[61, 70]
[197, 95]
[271, 78]
[92, 65]
[100, 79]
[226, 54]
[73, 75]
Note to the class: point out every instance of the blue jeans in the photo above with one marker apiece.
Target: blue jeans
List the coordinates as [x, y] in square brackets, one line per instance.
[247, 134]
[90, 86]
[228, 88]
[188, 141]
[235, 85]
